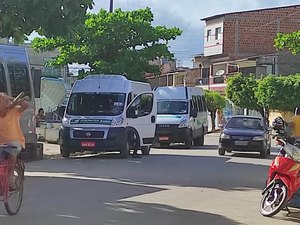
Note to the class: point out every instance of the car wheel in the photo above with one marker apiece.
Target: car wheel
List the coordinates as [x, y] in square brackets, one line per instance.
[145, 150]
[164, 145]
[64, 152]
[125, 150]
[264, 153]
[221, 151]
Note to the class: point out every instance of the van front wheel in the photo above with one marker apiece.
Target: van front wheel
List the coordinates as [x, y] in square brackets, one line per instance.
[64, 152]
[125, 149]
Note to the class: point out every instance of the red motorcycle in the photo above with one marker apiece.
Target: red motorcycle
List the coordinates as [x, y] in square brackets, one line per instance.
[283, 179]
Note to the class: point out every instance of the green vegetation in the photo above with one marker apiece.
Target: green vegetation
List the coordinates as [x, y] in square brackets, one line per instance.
[241, 91]
[120, 42]
[19, 18]
[269, 93]
[289, 41]
[214, 102]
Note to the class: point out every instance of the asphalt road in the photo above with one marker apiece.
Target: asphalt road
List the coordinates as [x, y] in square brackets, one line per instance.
[168, 187]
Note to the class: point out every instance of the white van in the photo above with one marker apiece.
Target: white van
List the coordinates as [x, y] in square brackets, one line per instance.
[108, 113]
[181, 116]
[16, 77]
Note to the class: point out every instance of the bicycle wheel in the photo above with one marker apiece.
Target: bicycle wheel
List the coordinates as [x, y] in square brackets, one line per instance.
[15, 197]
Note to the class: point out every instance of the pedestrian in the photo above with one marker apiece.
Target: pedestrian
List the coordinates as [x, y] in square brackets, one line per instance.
[39, 117]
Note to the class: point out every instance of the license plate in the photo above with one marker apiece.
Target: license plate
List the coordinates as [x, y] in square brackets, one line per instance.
[241, 143]
[163, 138]
[87, 144]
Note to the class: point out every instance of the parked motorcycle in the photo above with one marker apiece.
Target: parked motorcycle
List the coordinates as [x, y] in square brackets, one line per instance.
[283, 178]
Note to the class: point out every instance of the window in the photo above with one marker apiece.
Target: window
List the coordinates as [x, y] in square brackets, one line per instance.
[232, 68]
[93, 104]
[200, 103]
[208, 35]
[142, 105]
[204, 103]
[19, 80]
[172, 107]
[195, 103]
[3, 87]
[218, 33]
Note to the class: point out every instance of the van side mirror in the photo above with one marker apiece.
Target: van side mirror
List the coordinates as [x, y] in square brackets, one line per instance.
[194, 112]
[131, 113]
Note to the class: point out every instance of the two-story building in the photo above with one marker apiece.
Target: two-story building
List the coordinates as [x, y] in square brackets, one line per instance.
[244, 42]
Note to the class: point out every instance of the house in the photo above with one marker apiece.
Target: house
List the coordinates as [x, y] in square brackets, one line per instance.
[244, 42]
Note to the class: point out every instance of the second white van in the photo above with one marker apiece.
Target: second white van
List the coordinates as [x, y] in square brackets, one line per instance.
[181, 116]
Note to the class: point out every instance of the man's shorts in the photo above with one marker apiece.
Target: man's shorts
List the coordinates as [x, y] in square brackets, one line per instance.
[12, 148]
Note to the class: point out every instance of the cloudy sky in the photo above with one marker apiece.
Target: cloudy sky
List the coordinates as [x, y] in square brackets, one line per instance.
[187, 15]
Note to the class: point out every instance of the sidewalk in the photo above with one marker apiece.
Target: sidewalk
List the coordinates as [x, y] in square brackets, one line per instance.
[50, 149]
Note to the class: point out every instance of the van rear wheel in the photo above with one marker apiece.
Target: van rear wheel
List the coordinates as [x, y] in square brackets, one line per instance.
[199, 141]
[145, 150]
[189, 141]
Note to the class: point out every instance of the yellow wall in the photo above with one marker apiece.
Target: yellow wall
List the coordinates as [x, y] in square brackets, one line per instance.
[285, 115]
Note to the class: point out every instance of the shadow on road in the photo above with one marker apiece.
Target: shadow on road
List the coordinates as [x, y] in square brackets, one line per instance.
[51, 201]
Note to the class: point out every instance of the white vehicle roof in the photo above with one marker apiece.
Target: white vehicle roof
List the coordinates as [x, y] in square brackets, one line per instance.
[177, 93]
[13, 54]
[108, 83]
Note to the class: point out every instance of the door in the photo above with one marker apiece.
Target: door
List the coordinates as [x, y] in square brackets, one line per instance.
[141, 115]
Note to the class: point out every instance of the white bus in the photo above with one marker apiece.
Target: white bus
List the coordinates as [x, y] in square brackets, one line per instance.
[15, 77]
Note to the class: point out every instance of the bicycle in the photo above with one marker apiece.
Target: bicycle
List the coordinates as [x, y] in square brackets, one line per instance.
[12, 198]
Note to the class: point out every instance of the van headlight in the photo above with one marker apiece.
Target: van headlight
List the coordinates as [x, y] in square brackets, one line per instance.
[65, 122]
[183, 123]
[117, 121]
[225, 136]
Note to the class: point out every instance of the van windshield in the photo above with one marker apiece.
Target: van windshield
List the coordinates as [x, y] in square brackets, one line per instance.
[96, 104]
[172, 107]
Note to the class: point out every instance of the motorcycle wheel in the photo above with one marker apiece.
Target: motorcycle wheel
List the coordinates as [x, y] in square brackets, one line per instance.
[274, 199]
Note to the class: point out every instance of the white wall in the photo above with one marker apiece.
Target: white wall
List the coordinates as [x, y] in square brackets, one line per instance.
[213, 46]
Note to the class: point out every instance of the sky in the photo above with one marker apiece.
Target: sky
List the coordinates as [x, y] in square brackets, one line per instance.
[187, 15]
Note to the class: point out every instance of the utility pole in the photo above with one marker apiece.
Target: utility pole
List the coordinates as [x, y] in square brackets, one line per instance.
[111, 6]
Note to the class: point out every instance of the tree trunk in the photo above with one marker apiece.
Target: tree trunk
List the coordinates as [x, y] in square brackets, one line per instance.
[213, 120]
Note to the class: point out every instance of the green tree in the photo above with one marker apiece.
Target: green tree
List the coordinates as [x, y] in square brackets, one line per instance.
[290, 41]
[214, 102]
[115, 43]
[241, 91]
[50, 18]
[279, 93]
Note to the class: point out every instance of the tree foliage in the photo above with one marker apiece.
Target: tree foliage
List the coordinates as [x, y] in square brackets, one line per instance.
[50, 18]
[241, 91]
[214, 102]
[269, 93]
[290, 41]
[279, 93]
[120, 42]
